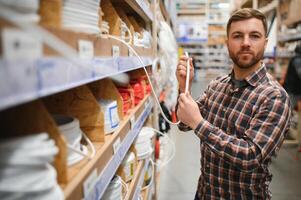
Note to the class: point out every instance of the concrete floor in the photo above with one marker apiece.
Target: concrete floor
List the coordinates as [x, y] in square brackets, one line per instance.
[178, 180]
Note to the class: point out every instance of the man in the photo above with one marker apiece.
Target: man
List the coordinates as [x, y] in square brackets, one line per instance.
[241, 119]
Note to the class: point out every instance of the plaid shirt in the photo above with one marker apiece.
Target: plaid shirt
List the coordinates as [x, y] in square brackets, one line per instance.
[243, 128]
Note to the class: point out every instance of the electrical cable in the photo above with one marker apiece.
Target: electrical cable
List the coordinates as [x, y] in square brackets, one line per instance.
[91, 146]
[92, 154]
[187, 74]
[124, 27]
[143, 65]
[173, 148]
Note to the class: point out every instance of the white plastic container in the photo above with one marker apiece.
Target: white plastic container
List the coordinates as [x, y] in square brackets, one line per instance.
[25, 168]
[70, 128]
[111, 117]
[143, 143]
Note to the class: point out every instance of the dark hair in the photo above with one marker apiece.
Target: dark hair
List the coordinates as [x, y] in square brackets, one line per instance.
[247, 13]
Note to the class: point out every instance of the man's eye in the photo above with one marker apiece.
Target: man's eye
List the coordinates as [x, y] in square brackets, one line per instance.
[237, 36]
[255, 36]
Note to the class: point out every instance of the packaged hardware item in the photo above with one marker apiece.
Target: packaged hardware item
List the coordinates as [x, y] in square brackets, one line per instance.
[111, 118]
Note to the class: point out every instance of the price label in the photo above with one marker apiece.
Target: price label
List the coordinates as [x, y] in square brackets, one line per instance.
[147, 103]
[132, 121]
[85, 49]
[115, 51]
[90, 182]
[131, 53]
[19, 45]
[116, 145]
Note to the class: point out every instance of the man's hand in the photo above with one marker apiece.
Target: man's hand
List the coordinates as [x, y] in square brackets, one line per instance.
[181, 72]
[188, 111]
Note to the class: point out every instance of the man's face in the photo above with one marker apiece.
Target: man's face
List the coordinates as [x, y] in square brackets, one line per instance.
[246, 42]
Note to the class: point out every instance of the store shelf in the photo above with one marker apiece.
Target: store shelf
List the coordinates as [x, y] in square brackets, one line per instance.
[105, 164]
[192, 12]
[140, 7]
[269, 54]
[289, 37]
[202, 43]
[285, 54]
[23, 81]
[195, 50]
[136, 183]
[217, 22]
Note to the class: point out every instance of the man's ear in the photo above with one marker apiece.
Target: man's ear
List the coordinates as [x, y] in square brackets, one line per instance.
[227, 42]
[266, 42]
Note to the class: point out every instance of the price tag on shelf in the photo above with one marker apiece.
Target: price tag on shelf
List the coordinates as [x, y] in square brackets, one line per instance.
[147, 103]
[131, 53]
[115, 51]
[90, 182]
[132, 121]
[85, 49]
[116, 145]
[18, 45]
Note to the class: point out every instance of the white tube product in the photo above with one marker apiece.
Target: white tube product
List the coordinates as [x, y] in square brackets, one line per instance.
[24, 162]
[143, 143]
[70, 128]
[187, 73]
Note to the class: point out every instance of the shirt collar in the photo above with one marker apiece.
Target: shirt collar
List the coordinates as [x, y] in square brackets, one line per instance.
[254, 78]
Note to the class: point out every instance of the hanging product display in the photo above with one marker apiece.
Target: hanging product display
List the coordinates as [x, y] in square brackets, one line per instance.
[111, 118]
[168, 63]
[70, 128]
[25, 168]
[143, 144]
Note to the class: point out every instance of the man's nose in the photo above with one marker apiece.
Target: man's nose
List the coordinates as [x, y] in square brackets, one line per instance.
[246, 41]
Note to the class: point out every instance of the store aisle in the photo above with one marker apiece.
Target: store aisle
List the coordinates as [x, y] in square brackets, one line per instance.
[286, 170]
[178, 180]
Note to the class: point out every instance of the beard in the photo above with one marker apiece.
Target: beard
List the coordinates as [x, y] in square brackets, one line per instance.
[255, 58]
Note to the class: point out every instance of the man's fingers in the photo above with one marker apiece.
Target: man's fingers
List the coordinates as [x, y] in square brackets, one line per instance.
[181, 67]
[189, 96]
[183, 57]
[182, 62]
[183, 98]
